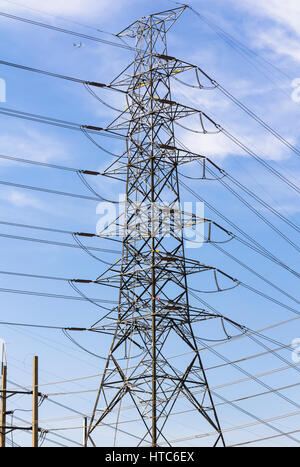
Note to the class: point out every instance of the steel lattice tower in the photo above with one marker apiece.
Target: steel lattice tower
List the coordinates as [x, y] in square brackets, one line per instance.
[154, 315]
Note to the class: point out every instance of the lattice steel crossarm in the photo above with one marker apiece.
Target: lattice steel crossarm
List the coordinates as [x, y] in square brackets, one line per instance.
[154, 312]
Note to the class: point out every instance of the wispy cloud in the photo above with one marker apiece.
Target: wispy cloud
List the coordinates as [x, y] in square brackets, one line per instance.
[21, 200]
[280, 42]
[220, 109]
[285, 13]
[76, 9]
[281, 33]
[282, 199]
[32, 144]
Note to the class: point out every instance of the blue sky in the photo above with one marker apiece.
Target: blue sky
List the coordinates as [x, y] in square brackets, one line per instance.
[271, 30]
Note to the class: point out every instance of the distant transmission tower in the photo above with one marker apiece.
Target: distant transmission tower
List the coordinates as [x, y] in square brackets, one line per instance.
[154, 318]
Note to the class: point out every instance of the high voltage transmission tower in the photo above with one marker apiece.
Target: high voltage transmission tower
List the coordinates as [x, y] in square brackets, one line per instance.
[154, 315]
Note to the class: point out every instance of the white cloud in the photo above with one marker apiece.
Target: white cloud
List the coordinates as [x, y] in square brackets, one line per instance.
[220, 109]
[283, 36]
[199, 99]
[286, 13]
[20, 200]
[218, 147]
[76, 9]
[31, 144]
[280, 42]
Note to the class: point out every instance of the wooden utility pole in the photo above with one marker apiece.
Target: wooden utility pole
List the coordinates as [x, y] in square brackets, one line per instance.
[3, 405]
[85, 431]
[35, 404]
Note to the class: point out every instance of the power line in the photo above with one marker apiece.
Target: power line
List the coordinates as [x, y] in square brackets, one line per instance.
[263, 218]
[258, 422]
[260, 276]
[206, 369]
[254, 245]
[259, 120]
[53, 192]
[54, 434]
[273, 351]
[72, 380]
[272, 226]
[263, 203]
[249, 333]
[61, 123]
[55, 75]
[247, 191]
[246, 149]
[78, 413]
[248, 111]
[66, 31]
[61, 244]
[56, 296]
[270, 299]
[60, 17]
[39, 326]
[266, 438]
[45, 164]
[182, 412]
[60, 231]
[224, 385]
[260, 160]
[233, 42]
[148, 180]
[254, 378]
[251, 396]
[252, 195]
